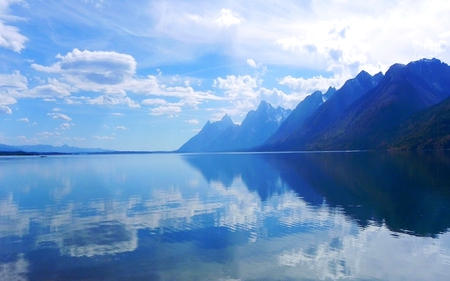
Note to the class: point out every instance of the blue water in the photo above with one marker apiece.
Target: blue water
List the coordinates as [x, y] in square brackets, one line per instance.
[289, 216]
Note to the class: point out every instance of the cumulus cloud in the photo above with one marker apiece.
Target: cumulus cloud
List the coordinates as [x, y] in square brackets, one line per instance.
[97, 137]
[12, 86]
[15, 86]
[99, 67]
[170, 109]
[14, 81]
[430, 46]
[251, 63]
[10, 36]
[121, 128]
[65, 126]
[237, 86]
[23, 120]
[48, 91]
[191, 121]
[5, 109]
[154, 102]
[113, 75]
[112, 101]
[228, 18]
[59, 116]
[46, 135]
[309, 85]
[244, 93]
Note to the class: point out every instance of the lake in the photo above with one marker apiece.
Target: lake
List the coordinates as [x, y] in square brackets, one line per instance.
[276, 216]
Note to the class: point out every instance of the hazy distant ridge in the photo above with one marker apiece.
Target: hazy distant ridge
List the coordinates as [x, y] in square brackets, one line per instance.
[41, 148]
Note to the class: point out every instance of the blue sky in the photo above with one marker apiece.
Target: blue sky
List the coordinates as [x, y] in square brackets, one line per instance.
[147, 75]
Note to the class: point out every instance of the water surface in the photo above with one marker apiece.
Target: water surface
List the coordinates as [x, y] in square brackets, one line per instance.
[289, 216]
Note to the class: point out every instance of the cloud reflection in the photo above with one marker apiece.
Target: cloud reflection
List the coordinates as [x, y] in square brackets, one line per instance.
[257, 218]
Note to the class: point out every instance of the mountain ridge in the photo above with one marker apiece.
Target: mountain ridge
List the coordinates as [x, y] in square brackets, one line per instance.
[46, 148]
[255, 129]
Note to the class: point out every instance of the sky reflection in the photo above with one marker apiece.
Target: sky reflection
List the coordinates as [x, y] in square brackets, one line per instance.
[241, 217]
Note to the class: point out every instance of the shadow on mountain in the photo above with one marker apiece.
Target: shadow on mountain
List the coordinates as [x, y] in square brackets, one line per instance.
[408, 192]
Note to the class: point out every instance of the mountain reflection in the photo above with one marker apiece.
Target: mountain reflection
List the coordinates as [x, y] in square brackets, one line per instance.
[408, 192]
[257, 174]
[316, 216]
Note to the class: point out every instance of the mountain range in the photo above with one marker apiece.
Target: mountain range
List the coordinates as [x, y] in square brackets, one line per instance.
[224, 135]
[42, 149]
[407, 108]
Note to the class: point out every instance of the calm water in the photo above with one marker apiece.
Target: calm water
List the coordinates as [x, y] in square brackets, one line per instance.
[317, 216]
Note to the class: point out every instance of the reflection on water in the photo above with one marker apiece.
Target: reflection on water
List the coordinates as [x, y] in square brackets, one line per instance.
[299, 216]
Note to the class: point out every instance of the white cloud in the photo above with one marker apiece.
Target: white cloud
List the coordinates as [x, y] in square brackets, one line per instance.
[278, 98]
[23, 120]
[117, 114]
[251, 63]
[46, 135]
[340, 31]
[170, 109]
[15, 86]
[154, 102]
[191, 121]
[113, 75]
[431, 47]
[97, 137]
[72, 101]
[14, 81]
[10, 36]
[48, 91]
[237, 86]
[317, 83]
[244, 93]
[122, 128]
[112, 101]
[59, 116]
[228, 18]
[5, 109]
[12, 86]
[98, 67]
[65, 126]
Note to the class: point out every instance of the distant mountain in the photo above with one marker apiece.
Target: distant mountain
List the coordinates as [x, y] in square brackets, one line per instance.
[201, 141]
[254, 130]
[42, 148]
[326, 113]
[298, 116]
[8, 148]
